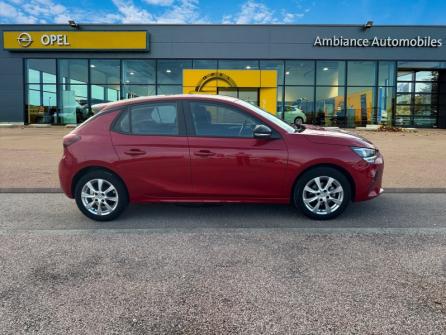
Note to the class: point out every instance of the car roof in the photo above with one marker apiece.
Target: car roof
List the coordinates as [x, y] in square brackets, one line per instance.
[112, 105]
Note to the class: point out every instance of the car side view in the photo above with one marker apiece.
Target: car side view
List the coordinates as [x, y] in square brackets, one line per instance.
[204, 148]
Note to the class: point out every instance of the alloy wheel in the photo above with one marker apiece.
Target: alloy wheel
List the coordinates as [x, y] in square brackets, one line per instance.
[99, 197]
[323, 195]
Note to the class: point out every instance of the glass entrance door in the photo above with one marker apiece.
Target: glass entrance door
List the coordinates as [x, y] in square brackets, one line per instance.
[417, 98]
[250, 95]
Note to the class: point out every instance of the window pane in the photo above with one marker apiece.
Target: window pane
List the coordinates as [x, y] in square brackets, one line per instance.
[49, 88]
[386, 73]
[48, 78]
[384, 108]
[274, 65]
[329, 105]
[238, 64]
[33, 76]
[425, 110]
[405, 75]
[361, 105]
[249, 95]
[170, 89]
[361, 73]
[171, 71]
[155, 119]
[221, 121]
[105, 71]
[404, 87]
[402, 110]
[299, 72]
[74, 104]
[138, 71]
[404, 98]
[104, 93]
[402, 121]
[424, 99]
[205, 64]
[133, 91]
[424, 87]
[427, 122]
[41, 105]
[38, 67]
[422, 65]
[330, 73]
[299, 103]
[426, 76]
[73, 71]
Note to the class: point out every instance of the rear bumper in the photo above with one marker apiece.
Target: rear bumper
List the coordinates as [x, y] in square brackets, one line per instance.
[369, 179]
[65, 176]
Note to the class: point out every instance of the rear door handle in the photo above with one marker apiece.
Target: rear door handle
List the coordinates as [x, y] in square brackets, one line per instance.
[204, 153]
[134, 152]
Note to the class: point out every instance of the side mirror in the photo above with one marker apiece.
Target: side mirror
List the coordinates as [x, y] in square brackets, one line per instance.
[262, 132]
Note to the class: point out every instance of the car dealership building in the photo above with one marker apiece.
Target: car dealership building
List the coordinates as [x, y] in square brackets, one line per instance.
[332, 75]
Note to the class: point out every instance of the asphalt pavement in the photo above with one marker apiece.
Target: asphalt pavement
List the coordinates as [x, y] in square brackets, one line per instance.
[253, 269]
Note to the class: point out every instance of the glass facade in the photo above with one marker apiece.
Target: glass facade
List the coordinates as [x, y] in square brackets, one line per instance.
[417, 100]
[326, 92]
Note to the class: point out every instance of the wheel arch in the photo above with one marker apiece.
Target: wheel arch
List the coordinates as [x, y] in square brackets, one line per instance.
[82, 172]
[330, 165]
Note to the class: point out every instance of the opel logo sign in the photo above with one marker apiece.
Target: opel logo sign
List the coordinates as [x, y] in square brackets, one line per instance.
[25, 40]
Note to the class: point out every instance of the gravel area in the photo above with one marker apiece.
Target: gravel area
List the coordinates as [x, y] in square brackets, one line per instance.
[29, 157]
[250, 282]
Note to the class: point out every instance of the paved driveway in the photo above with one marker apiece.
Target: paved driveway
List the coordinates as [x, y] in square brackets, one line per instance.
[166, 269]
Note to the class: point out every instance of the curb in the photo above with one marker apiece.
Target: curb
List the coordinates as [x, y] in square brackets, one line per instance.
[386, 190]
[415, 190]
[30, 190]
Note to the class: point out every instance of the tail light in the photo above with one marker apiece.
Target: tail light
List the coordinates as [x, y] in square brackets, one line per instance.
[70, 139]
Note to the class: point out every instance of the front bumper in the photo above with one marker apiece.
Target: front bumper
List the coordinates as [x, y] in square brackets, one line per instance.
[369, 179]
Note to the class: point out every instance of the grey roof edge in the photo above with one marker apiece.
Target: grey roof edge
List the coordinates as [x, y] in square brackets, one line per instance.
[222, 25]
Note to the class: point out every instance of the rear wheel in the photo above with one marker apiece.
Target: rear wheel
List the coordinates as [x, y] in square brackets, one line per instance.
[101, 196]
[322, 193]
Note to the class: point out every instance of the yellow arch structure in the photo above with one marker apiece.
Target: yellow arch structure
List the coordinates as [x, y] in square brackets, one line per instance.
[210, 80]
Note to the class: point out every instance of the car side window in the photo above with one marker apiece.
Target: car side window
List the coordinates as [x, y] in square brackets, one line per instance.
[218, 120]
[122, 124]
[154, 119]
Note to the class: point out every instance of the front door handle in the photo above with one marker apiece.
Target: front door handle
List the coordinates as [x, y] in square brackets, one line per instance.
[134, 152]
[204, 153]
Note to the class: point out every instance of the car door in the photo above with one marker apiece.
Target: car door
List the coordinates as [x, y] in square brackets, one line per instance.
[151, 142]
[227, 162]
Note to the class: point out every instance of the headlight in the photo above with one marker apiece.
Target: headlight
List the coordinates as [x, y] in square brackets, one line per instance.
[367, 154]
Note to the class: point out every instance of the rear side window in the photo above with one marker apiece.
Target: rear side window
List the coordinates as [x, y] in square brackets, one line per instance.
[122, 124]
[154, 119]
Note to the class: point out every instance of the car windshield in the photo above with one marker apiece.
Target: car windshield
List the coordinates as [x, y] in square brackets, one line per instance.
[274, 119]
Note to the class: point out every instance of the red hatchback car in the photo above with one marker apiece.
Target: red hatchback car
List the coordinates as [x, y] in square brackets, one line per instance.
[204, 148]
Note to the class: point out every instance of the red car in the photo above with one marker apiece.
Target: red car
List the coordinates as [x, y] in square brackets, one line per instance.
[204, 148]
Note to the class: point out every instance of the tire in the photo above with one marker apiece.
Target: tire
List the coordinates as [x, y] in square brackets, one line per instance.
[319, 203]
[298, 121]
[101, 206]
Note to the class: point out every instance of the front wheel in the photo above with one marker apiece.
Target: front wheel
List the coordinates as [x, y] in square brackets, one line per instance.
[322, 193]
[101, 196]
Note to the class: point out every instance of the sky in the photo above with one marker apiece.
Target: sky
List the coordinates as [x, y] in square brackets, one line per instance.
[225, 11]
